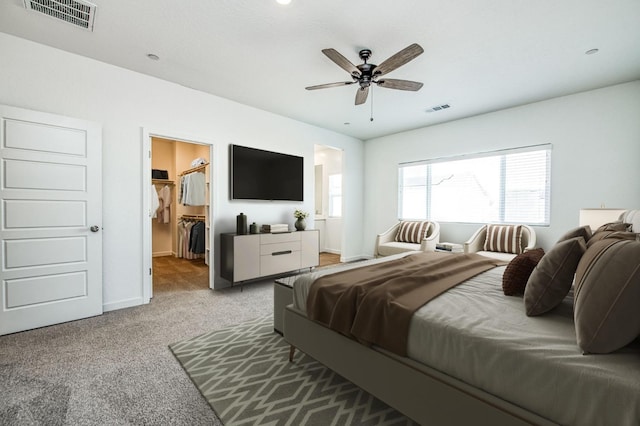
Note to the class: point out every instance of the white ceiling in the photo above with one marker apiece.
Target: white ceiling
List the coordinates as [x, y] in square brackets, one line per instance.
[479, 56]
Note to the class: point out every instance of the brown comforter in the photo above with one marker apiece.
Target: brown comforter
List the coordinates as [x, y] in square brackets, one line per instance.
[374, 304]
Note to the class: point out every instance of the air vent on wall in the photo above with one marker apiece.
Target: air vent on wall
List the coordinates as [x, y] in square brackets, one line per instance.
[76, 12]
[438, 108]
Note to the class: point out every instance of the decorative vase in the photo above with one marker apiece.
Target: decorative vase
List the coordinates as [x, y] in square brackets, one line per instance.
[300, 225]
[241, 224]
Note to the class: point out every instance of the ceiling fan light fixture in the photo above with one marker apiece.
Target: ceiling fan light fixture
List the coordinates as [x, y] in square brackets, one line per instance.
[365, 74]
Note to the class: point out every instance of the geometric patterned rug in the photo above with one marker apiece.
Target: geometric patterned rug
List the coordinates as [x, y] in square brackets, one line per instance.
[245, 374]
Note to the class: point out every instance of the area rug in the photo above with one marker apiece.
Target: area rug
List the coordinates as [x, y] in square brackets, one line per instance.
[245, 375]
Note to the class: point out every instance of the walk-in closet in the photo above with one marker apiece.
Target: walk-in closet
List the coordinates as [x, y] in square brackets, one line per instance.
[180, 180]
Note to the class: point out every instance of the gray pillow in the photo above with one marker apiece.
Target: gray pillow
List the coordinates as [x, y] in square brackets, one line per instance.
[606, 309]
[551, 280]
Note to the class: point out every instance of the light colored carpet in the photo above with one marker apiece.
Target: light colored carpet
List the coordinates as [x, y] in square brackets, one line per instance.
[117, 369]
[244, 373]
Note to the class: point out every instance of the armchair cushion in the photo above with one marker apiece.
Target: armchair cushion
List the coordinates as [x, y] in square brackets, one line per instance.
[504, 239]
[412, 232]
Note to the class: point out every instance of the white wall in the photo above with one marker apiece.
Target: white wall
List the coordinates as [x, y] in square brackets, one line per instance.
[41, 78]
[595, 158]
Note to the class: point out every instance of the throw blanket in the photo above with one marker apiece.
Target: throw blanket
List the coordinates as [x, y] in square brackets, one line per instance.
[374, 304]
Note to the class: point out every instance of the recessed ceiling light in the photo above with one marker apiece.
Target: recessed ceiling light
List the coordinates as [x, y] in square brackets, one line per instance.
[283, 2]
[591, 51]
[153, 57]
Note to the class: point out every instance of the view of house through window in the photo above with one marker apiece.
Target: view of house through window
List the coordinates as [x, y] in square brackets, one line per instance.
[335, 195]
[510, 186]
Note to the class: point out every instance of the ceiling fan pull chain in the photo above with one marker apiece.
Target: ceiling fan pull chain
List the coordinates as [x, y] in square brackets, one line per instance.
[371, 119]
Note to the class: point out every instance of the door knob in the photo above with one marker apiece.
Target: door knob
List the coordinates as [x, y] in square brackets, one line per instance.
[95, 228]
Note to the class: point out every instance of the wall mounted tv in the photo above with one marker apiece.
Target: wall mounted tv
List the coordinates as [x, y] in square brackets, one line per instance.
[264, 175]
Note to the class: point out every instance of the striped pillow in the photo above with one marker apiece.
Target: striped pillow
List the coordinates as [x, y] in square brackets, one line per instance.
[412, 232]
[504, 239]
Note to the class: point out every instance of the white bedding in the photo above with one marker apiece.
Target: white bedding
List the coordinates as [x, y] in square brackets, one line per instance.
[477, 334]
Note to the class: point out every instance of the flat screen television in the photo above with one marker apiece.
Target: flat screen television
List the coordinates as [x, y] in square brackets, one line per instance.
[264, 175]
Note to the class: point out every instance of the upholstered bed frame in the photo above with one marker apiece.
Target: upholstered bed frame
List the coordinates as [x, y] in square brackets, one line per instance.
[421, 393]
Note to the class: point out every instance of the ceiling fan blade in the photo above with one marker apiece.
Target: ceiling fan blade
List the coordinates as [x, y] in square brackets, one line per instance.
[392, 83]
[341, 61]
[399, 59]
[361, 95]
[326, 86]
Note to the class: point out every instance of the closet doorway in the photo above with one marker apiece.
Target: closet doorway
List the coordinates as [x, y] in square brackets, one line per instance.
[180, 225]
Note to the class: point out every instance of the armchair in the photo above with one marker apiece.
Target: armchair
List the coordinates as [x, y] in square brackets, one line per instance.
[476, 243]
[386, 244]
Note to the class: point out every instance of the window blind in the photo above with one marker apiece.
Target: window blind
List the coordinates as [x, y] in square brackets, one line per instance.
[509, 186]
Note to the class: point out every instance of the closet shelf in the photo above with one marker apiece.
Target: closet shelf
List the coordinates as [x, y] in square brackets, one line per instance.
[194, 169]
[162, 181]
[193, 216]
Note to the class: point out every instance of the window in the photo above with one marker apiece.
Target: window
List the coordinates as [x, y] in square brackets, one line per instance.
[335, 195]
[509, 186]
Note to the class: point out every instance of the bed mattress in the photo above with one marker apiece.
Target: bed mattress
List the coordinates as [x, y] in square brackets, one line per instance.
[475, 333]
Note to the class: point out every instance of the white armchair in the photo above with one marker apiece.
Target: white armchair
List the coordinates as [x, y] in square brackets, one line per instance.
[475, 244]
[386, 244]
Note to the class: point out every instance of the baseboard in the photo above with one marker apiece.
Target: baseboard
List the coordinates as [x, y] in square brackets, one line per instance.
[354, 258]
[331, 251]
[121, 304]
[162, 253]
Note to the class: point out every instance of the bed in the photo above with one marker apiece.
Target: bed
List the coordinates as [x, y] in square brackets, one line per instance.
[474, 357]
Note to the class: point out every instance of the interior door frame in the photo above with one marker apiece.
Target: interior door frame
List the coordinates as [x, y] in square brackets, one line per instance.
[147, 254]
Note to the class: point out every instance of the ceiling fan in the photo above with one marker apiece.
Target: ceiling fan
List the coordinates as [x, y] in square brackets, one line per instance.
[365, 73]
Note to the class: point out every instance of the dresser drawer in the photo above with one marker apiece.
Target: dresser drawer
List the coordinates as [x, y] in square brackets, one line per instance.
[276, 264]
[279, 238]
[268, 249]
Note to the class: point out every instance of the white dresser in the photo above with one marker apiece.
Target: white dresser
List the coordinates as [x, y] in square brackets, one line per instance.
[247, 257]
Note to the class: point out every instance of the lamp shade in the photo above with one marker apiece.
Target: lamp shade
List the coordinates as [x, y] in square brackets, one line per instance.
[595, 218]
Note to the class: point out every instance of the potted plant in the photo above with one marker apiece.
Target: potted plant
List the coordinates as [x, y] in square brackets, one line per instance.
[300, 217]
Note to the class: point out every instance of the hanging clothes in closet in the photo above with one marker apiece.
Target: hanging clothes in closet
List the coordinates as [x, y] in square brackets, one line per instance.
[193, 189]
[191, 238]
[164, 209]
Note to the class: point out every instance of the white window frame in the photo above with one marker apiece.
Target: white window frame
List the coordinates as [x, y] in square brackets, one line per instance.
[502, 183]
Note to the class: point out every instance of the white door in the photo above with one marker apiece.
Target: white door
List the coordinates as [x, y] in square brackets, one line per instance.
[51, 222]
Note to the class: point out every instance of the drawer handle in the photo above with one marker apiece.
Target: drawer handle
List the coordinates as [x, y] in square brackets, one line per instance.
[278, 253]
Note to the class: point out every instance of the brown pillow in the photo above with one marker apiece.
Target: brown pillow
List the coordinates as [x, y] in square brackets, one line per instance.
[412, 232]
[615, 226]
[616, 235]
[606, 309]
[551, 280]
[583, 231]
[504, 239]
[517, 272]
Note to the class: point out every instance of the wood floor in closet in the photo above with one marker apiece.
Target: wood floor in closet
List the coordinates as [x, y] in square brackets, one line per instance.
[172, 273]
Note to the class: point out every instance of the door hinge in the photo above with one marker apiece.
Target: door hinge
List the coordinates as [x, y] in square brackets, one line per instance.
[149, 271]
[149, 154]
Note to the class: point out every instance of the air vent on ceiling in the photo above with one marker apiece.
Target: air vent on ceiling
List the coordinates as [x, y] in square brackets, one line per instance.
[438, 108]
[77, 12]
